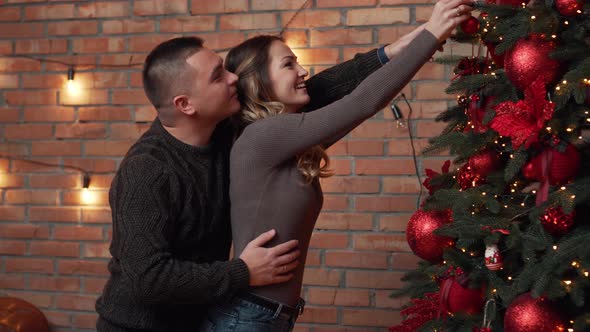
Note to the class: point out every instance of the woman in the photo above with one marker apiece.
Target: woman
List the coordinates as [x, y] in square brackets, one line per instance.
[277, 160]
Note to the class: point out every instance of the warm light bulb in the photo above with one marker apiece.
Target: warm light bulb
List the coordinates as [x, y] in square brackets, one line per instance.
[73, 87]
[88, 197]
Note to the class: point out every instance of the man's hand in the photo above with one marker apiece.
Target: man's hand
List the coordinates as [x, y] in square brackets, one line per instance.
[270, 265]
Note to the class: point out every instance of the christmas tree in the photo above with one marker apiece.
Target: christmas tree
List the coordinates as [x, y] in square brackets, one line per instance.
[504, 232]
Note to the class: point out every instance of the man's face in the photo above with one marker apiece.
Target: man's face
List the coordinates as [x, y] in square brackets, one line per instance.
[213, 91]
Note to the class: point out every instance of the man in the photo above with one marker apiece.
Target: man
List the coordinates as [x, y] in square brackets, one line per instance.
[169, 198]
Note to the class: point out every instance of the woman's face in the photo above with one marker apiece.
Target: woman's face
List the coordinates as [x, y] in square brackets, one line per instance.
[287, 77]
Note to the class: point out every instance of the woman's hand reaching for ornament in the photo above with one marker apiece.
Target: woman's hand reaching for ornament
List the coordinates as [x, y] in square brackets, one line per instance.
[446, 16]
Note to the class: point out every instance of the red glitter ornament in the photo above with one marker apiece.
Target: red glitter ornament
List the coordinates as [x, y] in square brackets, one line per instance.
[457, 297]
[557, 222]
[528, 60]
[484, 163]
[21, 316]
[467, 178]
[569, 7]
[562, 166]
[470, 26]
[526, 314]
[420, 234]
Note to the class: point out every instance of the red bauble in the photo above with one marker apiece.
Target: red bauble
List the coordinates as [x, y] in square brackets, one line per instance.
[420, 234]
[457, 298]
[569, 7]
[470, 26]
[563, 167]
[484, 163]
[529, 60]
[526, 314]
[467, 178]
[513, 3]
[557, 222]
[20, 316]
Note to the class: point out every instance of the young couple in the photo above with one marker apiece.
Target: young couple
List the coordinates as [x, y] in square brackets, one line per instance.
[171, 196]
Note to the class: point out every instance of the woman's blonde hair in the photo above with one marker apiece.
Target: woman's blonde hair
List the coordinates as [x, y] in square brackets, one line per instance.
[250, 61]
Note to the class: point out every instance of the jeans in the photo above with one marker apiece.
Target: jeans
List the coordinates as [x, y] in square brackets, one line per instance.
[239, 315]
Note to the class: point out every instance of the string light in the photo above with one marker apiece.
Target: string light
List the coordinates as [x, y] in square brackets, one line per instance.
[73, 88]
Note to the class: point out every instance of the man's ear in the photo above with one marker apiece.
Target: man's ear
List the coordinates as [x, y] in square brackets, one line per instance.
[183, 104]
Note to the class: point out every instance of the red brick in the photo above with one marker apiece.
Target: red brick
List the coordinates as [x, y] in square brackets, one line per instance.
[79, 267]
[96, 250]
[52, 248]
[103, 80]
[221, 41]
[429, 128]
[8, 81]
[371, 317]
[80, 130]
[403, 147]
[145, 113]
[383, 299]
[317, 56]
[12, 281]
[57, 319]
[107, 148]
[318, 315]
[104, 113]
[128, 131]
[29, 166]
[328, 240]
[77, 233]
[56, 284]
[401, 185]
[357, 148]
[103, 9]
[12, 213]
[146, 43]
[390, 34]
[277, 5]
[90, 197]
[375, 16]
[49, 12]
[341, 37]
[43, 46]
[126, 97]
[31, 97]
[338, 297]
[321, 277]
[313, 258]
[94, 285]
[378, 129]
[423, 13]
[43, 81]
[49, 114]
[13, 248]
[21, 30]
[99, 45]
[68, 28]
[344, 221]
[350, 185]
[36, 197]
[55, 148]
[128, 26]
[374, 279]
[85, 321]
[92, 165]
[188, 24]
[336, 203]
[431, 71]
[54, 214]
[404, 261]
[39, 300]
[136, 81]
[248, 21]
[9, 114]
[341, 166]
[356, 259]
[157, 7]
[13, 149]
[127, 60]
[384, 167]
[5, 47]
[96, 215]
[84, 97]
[75, 302]
[28, 131]
[313, 19]
[296, 38]
[220, 6]
[381, 242]
[62, 61]
[34, 265]
[345, 3]
[26, 231]
[394, 223]
[432, 90]
[10, 14]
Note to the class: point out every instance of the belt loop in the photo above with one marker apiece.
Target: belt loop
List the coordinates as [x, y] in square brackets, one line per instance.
[278, 311]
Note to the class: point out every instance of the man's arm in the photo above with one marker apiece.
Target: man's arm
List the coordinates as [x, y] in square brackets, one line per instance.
[144, 221]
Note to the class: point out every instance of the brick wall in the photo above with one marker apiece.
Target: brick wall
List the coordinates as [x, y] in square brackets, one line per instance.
[54, 247]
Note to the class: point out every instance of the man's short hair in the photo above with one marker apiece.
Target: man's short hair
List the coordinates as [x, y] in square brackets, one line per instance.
[164, 68]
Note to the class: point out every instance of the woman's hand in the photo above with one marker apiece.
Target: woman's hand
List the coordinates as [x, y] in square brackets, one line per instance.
[447, 14]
